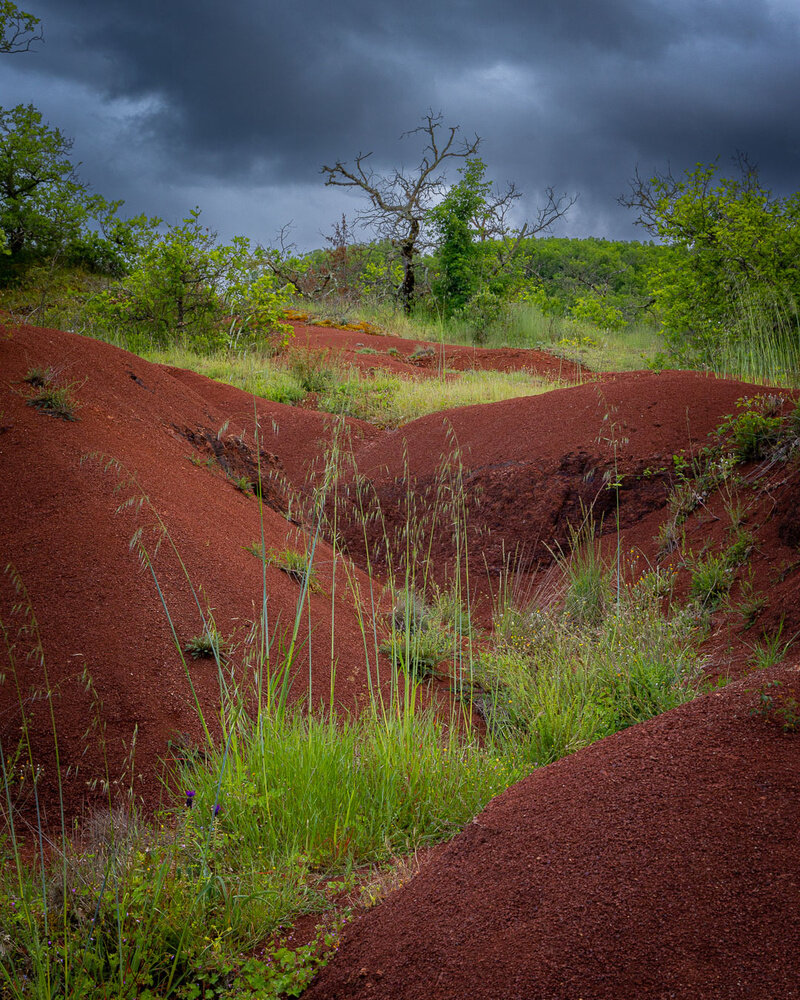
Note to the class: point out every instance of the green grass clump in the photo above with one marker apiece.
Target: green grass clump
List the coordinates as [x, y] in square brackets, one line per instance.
[209, 644]
[55, 401]
[555, 684]
[261, 375]
[48, 395]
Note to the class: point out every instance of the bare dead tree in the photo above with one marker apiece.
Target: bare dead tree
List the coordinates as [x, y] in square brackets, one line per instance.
[306, 281]
[399, 201]
[493, 221]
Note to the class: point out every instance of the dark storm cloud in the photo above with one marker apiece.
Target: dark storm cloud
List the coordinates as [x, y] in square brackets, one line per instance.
[237, 106]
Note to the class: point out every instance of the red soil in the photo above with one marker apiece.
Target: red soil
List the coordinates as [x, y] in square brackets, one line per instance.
[345, 344]
[660, 862]
[532, 466]
[97, 609]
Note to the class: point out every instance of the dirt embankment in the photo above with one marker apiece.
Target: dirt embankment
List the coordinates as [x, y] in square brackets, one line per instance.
[660, 862]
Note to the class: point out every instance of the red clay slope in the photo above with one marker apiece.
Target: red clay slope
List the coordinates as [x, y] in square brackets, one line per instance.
[98, 611]
[533, 465]
[662, 862]
[345, 345]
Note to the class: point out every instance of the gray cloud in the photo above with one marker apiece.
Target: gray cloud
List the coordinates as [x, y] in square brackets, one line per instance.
[178, 104]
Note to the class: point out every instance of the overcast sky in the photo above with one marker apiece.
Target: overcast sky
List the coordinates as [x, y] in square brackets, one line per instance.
[234, 106]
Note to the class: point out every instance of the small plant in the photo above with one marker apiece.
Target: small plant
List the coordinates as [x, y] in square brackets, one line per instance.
[776, 704]
[387, 880]
[755, 430]
[55, 401]
[712, 577]
[39, 377]
[417, 653]
[295, 564]
[750, 605]
[243, 484]
[367, 350]
[394, 352]
[771, 650]
[208, 645]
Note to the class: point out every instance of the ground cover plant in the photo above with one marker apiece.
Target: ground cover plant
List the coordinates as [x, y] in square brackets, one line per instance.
[385, 399]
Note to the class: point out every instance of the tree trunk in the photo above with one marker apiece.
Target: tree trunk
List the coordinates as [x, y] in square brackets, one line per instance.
[407, 248]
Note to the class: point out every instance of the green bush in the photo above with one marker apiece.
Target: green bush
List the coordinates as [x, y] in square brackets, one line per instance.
[188, 288]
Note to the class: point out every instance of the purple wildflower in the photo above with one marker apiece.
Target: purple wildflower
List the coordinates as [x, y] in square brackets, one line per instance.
[189, 797]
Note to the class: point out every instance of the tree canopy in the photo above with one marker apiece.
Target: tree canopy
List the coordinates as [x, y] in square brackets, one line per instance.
[46, 211]
[734, 254]
[18, 29]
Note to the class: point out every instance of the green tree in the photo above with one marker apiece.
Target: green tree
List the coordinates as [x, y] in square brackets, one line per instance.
[18, 29]
[187, 287]
[478, 242]
[47, 213]
[459, 252]
[734, 251]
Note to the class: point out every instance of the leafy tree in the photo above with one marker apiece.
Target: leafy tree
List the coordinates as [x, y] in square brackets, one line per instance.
[734, 252]
[187, 287]
[459, 252]
[399, 202]
[478, 243]
[46, 212]
[604, 281]
[18, 29]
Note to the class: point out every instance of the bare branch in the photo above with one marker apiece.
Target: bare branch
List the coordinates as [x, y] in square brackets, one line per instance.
[399, 201]
[18, 29]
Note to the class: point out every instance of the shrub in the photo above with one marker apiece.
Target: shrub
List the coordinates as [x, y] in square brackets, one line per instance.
[755, 430]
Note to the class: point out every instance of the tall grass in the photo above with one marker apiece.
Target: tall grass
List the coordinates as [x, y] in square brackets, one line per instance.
[281, 803]
[559, 676]
[765, 343]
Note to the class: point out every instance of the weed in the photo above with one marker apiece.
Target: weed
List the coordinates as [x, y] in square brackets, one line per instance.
[417, 653]
[551, 688]
[771, 650]
[200, 462]
[312, 369]
[209, 644]
[750, 604]
[755, 430]
[39, 377]
[295, 564]
[243, 484]
[55, 401]
[776, 704]
[384, 882]
[588, 582]
[711, 579]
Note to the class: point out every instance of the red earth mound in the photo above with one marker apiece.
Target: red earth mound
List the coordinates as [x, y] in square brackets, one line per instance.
[68, 520]
[421, 357]
[532, 466]
[660, 862]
